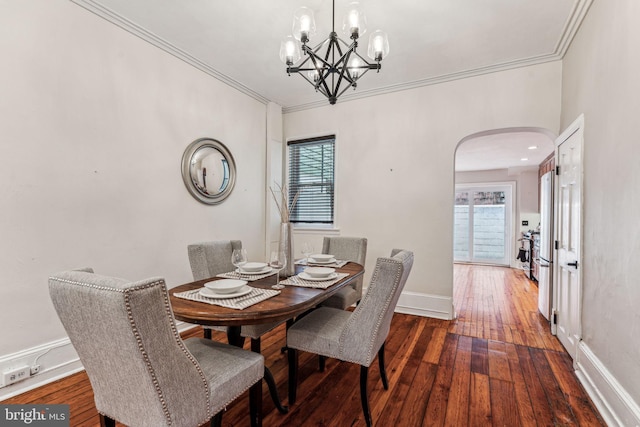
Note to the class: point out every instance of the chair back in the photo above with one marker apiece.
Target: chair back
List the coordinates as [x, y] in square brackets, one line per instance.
[346, 248]
[368, 326]
[125, 335]
[209, 259]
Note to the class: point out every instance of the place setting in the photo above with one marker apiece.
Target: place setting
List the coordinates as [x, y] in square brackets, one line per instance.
[322, 260]
[230, 293]
[315, 277]
[247, 270]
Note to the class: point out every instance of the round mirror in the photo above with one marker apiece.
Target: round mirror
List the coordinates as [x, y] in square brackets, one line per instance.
[208, 170]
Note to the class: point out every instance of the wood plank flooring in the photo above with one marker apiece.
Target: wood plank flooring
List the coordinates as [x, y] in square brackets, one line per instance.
[495, 365]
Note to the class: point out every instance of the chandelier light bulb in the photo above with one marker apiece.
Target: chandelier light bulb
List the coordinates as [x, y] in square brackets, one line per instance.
[290, 50]
[355, 69]
[378, 45]
[304, 25]
[354, 23]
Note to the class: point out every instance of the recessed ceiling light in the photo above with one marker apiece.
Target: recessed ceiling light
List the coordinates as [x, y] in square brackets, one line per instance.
[524, 159]
[533, 147]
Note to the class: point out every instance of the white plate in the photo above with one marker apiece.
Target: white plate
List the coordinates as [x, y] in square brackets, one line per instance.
[319, 271]
[267, 269]
[322, 257]
[314, 261]
[225, 286]
[206, 292]
[254, 266]
[305, 276]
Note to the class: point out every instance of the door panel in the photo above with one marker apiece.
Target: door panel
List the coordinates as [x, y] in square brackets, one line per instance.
[569, 236]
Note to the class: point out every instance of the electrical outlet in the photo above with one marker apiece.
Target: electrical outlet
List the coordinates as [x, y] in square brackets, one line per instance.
[14, 375]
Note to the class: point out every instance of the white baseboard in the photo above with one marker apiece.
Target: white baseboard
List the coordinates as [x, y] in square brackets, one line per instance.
[57, 359]
[612, 400]
[425, 305]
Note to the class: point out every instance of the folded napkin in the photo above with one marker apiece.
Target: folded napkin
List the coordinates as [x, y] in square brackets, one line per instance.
[336, 264]
[255, 296]
[248, 277]
[324, 284]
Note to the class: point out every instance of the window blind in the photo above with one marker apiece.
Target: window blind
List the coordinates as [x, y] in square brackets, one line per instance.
[311, 171]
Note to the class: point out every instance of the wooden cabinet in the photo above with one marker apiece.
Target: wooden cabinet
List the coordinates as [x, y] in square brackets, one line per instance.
[547, 165]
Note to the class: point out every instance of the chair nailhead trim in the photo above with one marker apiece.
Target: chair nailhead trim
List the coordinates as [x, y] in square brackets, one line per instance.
[143, 352]
[193, 360]
[174, 330]
[387, 302]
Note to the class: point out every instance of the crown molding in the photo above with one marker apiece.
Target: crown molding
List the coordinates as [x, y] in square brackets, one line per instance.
[572, 24]
[133, 28]
[429, 81]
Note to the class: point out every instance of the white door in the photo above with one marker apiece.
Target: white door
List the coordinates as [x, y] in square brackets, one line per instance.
[568, 294]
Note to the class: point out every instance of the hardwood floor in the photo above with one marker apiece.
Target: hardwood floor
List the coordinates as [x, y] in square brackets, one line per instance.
[495, 365]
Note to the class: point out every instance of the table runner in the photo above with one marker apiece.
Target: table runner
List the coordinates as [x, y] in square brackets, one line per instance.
[239, 303]
[324, 284]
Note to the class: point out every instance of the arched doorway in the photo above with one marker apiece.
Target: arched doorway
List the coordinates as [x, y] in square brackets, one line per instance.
[496, 196]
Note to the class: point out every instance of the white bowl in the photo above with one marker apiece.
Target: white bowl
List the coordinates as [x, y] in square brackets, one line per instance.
[321, 257]
[225, 286]
[253, 266]
[319, 271]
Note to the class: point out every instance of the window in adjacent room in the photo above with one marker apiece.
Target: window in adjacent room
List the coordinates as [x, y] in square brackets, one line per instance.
[311, 172]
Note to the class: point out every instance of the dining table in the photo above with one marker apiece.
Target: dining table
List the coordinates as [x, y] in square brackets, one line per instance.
[291, 303]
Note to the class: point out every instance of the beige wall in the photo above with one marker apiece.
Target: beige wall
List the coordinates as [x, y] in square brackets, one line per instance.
[395, 158]
[94, 123]
[600, 79]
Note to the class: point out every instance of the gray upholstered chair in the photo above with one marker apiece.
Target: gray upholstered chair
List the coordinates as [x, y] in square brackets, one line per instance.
[209, 259]
[353, 336]
[351, 249]
[141, 371]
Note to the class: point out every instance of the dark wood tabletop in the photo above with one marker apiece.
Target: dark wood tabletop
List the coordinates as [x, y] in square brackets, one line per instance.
[292, 301]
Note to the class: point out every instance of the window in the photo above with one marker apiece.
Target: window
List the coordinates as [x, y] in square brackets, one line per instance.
[482, 224]
[311, 166]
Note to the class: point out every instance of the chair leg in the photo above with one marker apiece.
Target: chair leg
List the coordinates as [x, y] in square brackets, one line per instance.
[255, 404]
[207, 333]
[292, 354]
[364, 370]
[106, 421]
[383, 372]
[289, 324]
[321, 362]
[216, 420]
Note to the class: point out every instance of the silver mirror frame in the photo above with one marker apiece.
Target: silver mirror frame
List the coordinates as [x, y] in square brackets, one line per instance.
[187, 158]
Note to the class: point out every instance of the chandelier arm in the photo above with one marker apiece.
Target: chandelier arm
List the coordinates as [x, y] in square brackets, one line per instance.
[343, 91]
[318, 88]
[321, 77]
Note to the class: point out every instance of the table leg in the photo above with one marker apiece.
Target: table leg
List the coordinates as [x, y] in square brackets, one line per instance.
[268, 377]
[233, 336]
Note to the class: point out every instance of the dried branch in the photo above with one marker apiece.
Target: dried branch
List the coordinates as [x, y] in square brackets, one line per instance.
[283, 207]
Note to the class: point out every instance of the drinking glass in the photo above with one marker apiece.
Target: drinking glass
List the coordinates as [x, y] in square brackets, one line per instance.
[277, 261]
[239, 258]
[307, 250]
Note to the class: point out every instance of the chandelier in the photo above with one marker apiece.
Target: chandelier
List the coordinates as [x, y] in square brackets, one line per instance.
[334, 65]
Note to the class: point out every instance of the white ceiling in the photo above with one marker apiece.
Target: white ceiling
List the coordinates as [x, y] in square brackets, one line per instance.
[518, 148]
[431, 41]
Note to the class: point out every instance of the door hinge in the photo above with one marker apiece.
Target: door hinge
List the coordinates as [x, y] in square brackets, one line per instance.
[556, 245]
[557, 170]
